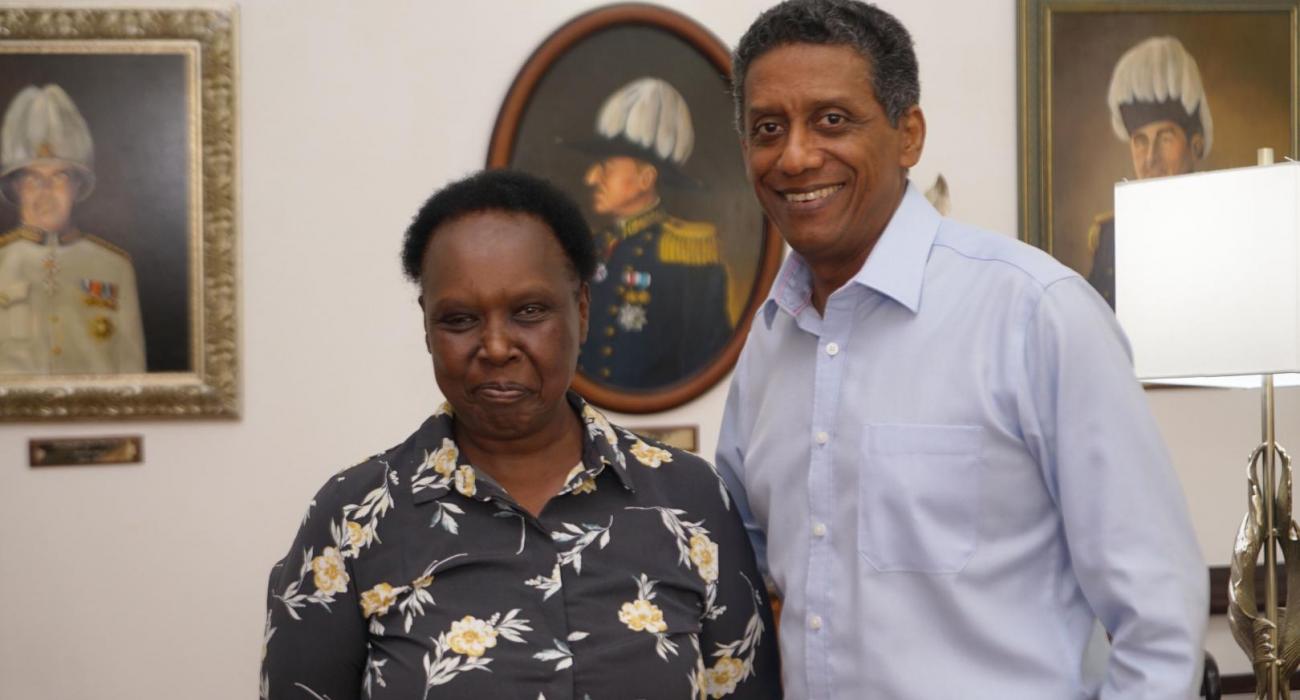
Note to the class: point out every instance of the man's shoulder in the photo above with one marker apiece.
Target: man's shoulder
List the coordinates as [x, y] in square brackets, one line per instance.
[996, 253]
[683, 242]
[19, 234]
[106, 246]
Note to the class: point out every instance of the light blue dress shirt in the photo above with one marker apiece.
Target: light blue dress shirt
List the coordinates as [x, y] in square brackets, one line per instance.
[952, 474]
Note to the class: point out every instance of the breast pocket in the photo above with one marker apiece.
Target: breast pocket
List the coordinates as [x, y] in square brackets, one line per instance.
[919, 496]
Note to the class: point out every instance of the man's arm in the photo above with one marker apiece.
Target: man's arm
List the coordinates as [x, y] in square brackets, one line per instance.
[1125, 518]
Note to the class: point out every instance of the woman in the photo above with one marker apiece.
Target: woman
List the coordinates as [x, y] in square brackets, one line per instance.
[517, 545]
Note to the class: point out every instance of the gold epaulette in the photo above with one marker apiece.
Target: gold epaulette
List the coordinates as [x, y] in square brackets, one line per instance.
[22, 233]
[688, 243]
[1094, 231]
[97, 240]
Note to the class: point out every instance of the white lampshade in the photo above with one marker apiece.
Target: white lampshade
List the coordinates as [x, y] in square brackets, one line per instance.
[1207, 275]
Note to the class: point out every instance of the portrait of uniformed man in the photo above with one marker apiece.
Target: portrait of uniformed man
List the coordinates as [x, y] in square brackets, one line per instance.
[659, 304]
[1158, 108]
[68, 300]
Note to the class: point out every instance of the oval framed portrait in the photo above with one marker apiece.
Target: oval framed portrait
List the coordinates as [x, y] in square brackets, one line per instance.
[628, 110]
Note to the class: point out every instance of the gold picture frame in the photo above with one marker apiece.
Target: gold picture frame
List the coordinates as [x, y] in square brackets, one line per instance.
[158, 91]
[1070, 153]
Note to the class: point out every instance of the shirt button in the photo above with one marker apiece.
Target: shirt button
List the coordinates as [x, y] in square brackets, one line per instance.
[823, 438]
[819, 530]
[815, 622]
[832, 349]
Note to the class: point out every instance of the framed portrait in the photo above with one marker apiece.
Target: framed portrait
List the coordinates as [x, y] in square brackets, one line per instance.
[1122, 89]
[118, 289]
[628, 110]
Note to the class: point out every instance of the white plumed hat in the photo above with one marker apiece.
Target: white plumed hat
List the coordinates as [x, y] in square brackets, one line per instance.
[651, 114]
[1157, 79]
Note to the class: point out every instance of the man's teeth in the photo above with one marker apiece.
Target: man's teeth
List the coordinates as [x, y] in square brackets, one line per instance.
[810, 196]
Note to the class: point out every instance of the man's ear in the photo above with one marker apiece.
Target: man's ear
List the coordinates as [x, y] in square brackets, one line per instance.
[911, 127]
[648, 176]
[1198, 145]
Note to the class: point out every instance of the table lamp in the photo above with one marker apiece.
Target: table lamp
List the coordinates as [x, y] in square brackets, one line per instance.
[1207, 288]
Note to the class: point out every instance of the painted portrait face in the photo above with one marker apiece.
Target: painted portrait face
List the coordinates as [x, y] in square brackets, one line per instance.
[504, 315]
[622, 186]
[45, 194]
[1162, 148]
[824, 161]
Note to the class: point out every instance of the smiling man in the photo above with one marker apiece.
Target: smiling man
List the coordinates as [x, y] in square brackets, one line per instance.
[934, 431]
[1157, 107]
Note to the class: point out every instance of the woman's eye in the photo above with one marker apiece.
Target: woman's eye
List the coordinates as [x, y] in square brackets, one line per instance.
[456, 321]
[532, 311]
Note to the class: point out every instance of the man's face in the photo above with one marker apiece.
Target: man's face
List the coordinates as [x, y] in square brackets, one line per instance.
[622, 186]
[45, 193]
[1162, 148]
[827, 166]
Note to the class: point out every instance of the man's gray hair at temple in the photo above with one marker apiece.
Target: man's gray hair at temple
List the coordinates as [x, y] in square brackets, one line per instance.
[874, 33]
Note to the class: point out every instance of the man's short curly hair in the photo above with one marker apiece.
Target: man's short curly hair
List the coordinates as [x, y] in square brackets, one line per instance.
[506, 191]
[875, 34]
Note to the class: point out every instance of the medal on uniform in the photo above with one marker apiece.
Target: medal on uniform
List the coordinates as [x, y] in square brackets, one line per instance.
[101, 328]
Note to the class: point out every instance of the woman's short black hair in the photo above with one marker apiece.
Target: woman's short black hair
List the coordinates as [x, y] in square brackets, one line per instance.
[507, 191]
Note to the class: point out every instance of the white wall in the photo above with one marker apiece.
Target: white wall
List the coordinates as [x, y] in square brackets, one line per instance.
[147, 581]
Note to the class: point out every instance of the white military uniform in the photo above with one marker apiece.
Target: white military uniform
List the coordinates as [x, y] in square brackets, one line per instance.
[67, 306]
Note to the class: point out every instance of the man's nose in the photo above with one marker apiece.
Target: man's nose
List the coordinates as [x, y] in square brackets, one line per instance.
[800, 152]
[592, 176]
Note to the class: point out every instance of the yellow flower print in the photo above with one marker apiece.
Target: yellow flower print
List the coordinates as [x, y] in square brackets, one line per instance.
[465, 480]
[444, 460]
[704, 554]
[377, 600]
[471, 636]
[641, 614]
[721, 679]
[422, 582]
[601, 424]
[444, 409]
[587, 485]
[328, 572]
[649, 455]
[356, 537]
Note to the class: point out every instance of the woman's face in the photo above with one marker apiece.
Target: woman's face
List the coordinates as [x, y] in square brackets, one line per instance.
[503, 318]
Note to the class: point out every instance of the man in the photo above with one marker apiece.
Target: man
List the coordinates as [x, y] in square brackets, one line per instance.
[1157, 107]
[68, 302]
[659, 297]
[934, 430]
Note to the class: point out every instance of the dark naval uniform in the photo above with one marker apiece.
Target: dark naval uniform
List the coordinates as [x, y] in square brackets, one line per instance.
[1101, 237]
[67, 306]
[658, 303]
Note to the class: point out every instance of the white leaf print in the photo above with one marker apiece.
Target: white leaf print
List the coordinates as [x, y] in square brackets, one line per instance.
[578, 636]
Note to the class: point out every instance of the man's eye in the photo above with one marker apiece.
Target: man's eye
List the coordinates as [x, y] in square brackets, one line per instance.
[766, 130]
[833, 119]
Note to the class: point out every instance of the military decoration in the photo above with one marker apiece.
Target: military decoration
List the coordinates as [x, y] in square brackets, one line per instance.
[101, 328]
[97, 293]
[635, 292]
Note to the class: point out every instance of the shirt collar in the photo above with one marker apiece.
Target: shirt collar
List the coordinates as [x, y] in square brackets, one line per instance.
[895, 268]
[436, 466]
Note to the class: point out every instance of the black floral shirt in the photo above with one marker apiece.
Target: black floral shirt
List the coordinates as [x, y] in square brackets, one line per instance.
[415, 576]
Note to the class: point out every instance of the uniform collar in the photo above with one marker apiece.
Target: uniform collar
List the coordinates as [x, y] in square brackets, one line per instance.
[895, 268]
[435, 466]
[639, 222]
